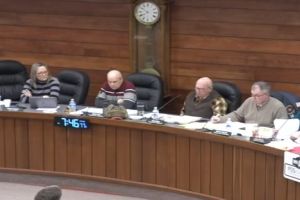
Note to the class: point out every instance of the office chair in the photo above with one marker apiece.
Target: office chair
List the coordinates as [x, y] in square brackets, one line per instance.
[73, 84]
[230, 92]
[149, 89]
[289, 100]
[13, 76]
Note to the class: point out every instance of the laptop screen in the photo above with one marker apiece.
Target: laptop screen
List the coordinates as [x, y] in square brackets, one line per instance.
[43, 102]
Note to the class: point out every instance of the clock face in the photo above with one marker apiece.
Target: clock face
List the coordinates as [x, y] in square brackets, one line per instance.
[147, 13]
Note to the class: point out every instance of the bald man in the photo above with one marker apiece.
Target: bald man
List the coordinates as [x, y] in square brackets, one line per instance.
[116, 90]
[204, 101]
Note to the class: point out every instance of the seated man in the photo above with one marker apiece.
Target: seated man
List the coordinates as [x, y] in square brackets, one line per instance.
[261, 108]
[204, 101]
[116, 91]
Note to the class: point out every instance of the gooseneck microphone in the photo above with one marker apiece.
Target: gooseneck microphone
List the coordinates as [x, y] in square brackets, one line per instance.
[168, 102]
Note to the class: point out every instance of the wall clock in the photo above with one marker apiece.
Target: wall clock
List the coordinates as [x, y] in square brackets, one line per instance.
[149, 37]
[147, 13]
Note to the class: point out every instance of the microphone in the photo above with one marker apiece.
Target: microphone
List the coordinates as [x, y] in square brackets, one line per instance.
[168, 102]
[277, 131]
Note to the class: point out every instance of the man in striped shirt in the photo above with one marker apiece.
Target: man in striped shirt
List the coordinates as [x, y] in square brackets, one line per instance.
[40, 83]
[116, 90]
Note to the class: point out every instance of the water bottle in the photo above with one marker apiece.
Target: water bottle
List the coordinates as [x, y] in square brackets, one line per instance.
[72, 105]
[155, 114]
[229, 125]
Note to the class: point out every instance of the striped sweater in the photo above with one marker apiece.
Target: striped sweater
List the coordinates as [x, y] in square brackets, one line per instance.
[107, 96]
[48, 88]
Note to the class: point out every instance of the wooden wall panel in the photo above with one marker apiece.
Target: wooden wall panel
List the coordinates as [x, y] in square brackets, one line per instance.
[136, 152]
[2, 143]
[60, 153]
[87, 152]
[36, 139]
[149, 157]
[195, 165]
[182, 160]
[91, 36]
[74, 150]
[49, 146]
[22, 141]
[239, 41]
[10, 143]
[123, 154]
[99, 151]
[111, 152]
[183, 163]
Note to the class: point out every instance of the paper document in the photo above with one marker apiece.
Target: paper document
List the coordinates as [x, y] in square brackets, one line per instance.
[283, 144]
[48, 110]
[286, 127]
[179, 119]
[195, 125]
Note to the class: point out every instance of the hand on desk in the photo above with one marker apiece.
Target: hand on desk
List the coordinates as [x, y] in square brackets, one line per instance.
[215, 119]
[120, 101]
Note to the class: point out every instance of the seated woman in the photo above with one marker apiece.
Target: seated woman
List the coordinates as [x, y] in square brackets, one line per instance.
[40, 83]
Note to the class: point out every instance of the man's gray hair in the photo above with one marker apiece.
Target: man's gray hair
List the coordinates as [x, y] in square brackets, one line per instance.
[263, 86]
[52, 192]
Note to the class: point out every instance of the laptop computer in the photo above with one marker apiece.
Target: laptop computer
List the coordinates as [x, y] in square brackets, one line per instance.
[43, 102]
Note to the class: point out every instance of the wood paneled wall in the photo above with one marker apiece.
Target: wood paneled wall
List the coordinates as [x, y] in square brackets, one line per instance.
[89, 35]
[240, 41]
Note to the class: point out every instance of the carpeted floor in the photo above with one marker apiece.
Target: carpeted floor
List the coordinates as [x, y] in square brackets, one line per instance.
[25, 186]
[14, 191]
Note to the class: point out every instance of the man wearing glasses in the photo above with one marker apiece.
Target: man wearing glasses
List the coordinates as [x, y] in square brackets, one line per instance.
[260, 108]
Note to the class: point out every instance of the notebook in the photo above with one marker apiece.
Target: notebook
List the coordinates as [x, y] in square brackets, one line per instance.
[43, 102]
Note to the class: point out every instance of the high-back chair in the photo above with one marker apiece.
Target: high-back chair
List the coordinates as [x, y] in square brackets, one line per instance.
[149, 89]
[230, 92]
[13, 76]
[73, 84]
[289, 100]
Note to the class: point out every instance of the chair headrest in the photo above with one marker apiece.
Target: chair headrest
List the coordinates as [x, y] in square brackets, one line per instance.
[13, 75]
[145, 80]
[230, 92]
[73, 84]
[149, 89]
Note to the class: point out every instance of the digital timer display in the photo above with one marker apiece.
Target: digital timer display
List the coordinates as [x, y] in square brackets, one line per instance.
[72, 122]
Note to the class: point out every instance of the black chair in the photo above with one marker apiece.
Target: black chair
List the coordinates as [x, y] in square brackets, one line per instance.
[13, 75]
[230, 92]
[289, 100]
[149, 89]
[73, 84]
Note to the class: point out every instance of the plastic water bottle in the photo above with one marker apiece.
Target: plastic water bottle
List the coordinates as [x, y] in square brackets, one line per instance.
[72, 105]
[229, 125]
[155, 114]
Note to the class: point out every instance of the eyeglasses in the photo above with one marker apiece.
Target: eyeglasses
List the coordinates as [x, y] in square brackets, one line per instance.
[258, 95]
[42, 73]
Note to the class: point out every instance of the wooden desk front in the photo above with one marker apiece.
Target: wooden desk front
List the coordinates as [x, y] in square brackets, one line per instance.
[162, 155]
